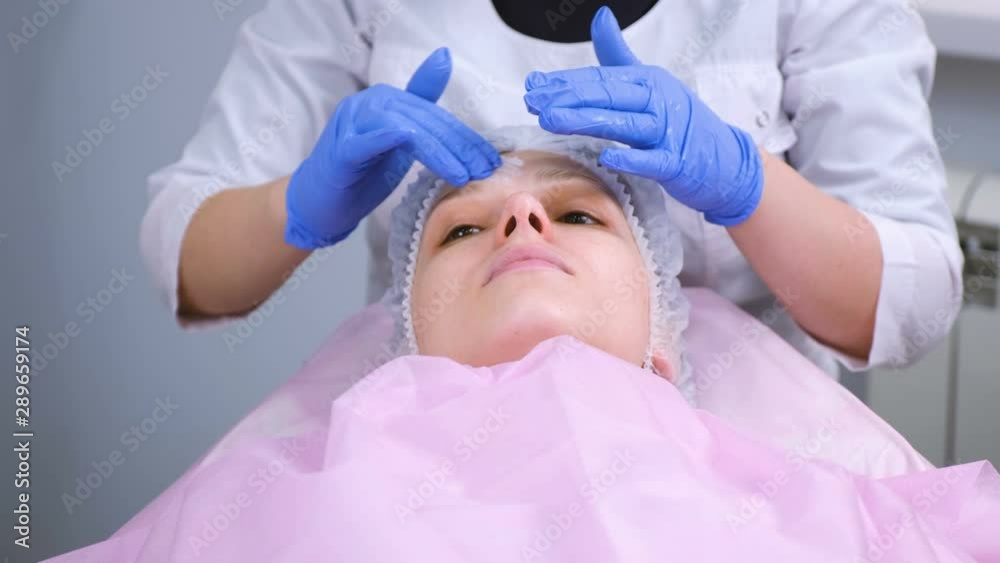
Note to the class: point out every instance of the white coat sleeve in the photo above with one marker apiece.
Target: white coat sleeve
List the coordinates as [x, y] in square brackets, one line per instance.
[858, 75]
[293, 62]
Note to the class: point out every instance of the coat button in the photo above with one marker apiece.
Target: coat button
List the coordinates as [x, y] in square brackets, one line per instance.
[763, 119]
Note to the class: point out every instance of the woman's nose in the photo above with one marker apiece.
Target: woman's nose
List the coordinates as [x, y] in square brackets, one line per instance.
[523, 215]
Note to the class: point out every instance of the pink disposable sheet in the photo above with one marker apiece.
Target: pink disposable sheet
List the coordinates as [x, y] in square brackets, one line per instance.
[567, 455]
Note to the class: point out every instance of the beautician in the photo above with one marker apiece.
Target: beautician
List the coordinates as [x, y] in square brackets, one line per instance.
[794, 136]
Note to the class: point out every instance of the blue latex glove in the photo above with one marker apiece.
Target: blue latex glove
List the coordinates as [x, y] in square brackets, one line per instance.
[367, 147]
[676, 139]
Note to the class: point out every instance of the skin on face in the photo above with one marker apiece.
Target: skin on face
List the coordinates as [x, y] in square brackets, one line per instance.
[549, 202]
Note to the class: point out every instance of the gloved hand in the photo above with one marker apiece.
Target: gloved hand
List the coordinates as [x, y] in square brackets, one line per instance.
[676, 139]
[367, 147]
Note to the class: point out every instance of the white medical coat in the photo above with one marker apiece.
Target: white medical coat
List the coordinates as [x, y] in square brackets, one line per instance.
[839, 89]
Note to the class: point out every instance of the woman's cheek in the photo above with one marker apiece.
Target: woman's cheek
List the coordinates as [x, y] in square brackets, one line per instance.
[448, 277]
[623, 289]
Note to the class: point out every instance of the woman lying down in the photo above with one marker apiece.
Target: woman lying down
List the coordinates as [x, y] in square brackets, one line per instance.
[540, 407]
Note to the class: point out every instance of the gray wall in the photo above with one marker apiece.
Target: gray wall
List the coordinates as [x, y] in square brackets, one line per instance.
[65, 240]
[966, 100]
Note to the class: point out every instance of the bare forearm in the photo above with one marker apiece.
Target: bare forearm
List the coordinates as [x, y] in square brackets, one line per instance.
[798, 242]
[234, 254]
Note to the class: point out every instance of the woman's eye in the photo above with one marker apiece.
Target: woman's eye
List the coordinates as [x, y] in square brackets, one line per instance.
[460, 232]
[579, 218]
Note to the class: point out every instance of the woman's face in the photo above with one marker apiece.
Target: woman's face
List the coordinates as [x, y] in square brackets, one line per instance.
[530, 253]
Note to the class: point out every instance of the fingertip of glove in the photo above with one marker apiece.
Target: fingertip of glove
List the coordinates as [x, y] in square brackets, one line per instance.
[494, 162]
[603, 19]
[495, 158]
[553, 120]
[441, 55]
[601, 15]
[610, 157]
[481, 166]
[297, 238]
[531, 100]
[482, 175]
[535, 79]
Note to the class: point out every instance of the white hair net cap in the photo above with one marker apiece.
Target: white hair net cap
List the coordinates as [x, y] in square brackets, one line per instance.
[644, 205]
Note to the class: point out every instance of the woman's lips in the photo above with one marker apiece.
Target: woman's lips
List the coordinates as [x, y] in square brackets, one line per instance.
[529, 264]
[526, 258]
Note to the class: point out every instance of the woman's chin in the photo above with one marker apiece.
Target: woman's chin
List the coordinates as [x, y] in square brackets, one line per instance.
[519, 329]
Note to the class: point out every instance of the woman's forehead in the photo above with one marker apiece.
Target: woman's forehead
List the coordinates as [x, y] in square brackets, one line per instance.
[545, 159]
[532, 169]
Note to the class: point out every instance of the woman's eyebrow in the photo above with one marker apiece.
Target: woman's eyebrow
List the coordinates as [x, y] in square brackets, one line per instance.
[549, 174]
[556, 176]
[564, 174]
